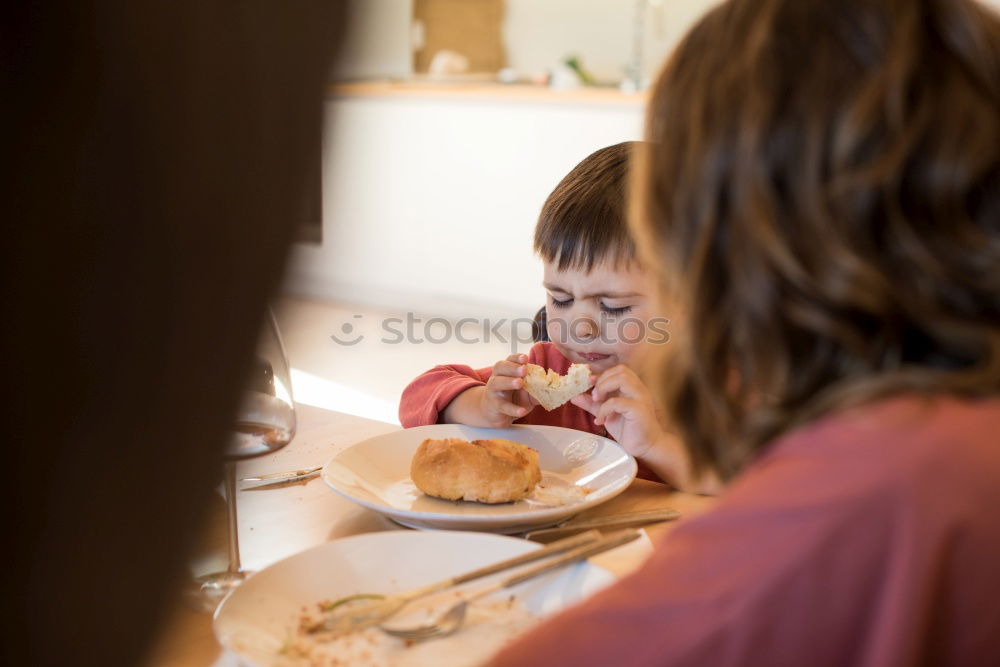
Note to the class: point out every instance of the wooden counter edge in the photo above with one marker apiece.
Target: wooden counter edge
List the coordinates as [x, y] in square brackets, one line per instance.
[484, 92]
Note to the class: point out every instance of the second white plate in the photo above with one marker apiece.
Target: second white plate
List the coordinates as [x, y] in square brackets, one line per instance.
[375, 473]
[262, 614]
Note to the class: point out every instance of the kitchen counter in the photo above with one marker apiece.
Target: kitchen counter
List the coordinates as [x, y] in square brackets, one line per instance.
[486, 90]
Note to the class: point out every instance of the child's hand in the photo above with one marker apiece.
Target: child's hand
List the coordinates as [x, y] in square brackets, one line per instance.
[499, 402]
[505, 398]
[622, 403]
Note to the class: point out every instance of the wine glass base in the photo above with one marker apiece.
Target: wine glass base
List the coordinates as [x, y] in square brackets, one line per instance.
[206, 592]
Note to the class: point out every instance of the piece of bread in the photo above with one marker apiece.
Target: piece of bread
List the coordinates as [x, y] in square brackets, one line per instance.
[551, 389]
[486, 471]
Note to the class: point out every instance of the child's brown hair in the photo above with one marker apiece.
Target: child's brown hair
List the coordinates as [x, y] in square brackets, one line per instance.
[583, 222]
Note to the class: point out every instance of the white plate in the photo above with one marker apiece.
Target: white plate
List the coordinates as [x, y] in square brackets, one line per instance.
[257, 618]
[375, 473]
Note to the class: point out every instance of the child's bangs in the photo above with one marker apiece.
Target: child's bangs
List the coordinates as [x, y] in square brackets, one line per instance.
[584, 249]
[582, 222]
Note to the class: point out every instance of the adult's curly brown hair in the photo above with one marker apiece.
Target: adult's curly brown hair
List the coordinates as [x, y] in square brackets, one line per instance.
[823, 198]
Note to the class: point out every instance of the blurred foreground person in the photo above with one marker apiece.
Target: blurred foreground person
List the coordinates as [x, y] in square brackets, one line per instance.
[823, 201]
[155, 154]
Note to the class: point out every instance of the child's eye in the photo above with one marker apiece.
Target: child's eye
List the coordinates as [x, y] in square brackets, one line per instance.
[615, 311]
[561, 304]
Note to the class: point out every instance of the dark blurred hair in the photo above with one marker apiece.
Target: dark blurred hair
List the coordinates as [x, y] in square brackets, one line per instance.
[823, 200]
[583, 221]
[155, 156]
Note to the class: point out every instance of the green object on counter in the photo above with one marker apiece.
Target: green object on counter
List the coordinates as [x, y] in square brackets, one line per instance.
[586, 78]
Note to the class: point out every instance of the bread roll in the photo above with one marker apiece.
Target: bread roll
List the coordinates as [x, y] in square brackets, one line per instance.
[551, 389]
[487, 471]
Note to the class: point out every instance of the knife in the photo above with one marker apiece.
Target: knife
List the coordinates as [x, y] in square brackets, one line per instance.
[291, 474]
[613, 520]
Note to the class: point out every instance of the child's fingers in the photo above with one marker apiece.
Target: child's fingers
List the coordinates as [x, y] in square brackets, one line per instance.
[521, 397]
[611, 422]
[613, 406]
[585, 401]
[619, 371]
[625, 382]
[608, 385]
[504, 406]
[509, 368]
[504, 383]
[610, 374]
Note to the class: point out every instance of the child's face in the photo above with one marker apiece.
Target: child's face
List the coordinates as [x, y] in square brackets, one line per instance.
[598, 317]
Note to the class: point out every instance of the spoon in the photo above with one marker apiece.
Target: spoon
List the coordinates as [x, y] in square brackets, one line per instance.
[453, 619]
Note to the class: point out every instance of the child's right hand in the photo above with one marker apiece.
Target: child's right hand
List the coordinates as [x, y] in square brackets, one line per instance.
[497, 404]
[504, 398]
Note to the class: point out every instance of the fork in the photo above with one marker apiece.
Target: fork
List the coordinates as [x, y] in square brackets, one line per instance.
[453, 619]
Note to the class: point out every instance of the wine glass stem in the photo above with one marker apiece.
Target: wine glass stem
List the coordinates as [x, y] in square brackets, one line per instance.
[232, 527]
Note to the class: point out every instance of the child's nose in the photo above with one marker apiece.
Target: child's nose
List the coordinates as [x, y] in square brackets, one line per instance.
[584, 328]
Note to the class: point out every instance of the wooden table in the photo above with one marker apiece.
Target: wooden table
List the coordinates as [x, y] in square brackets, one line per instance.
[282, 520]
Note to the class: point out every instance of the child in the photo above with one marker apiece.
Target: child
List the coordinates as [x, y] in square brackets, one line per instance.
[599, 303]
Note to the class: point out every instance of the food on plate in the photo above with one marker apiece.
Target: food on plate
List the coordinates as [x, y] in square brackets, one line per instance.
[555, 492]
[489, 624]
[486, 471]
[551, 389]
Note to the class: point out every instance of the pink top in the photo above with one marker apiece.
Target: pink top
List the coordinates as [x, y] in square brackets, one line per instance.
[429, 394]
[871, 538]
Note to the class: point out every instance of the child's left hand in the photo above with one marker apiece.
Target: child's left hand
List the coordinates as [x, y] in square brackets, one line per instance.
[622, 403]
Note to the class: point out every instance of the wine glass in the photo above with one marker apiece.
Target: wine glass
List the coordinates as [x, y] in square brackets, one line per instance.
[265, 423]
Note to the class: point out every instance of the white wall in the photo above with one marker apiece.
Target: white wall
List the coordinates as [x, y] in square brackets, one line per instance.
[539, 33]
[430, 204]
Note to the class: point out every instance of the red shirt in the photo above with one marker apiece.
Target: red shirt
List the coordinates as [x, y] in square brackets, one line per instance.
[429, 394]
[871, 538]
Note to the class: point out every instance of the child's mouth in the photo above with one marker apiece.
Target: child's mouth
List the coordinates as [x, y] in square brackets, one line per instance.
[593, 356]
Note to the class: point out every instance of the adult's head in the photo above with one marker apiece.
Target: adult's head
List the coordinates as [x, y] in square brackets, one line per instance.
[823, 202]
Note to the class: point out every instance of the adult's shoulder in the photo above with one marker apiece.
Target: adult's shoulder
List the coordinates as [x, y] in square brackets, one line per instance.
[927, 464]
[814, 549]
[901, 446]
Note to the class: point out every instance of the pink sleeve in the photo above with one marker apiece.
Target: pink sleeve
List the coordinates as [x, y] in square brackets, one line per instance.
[430, 393]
